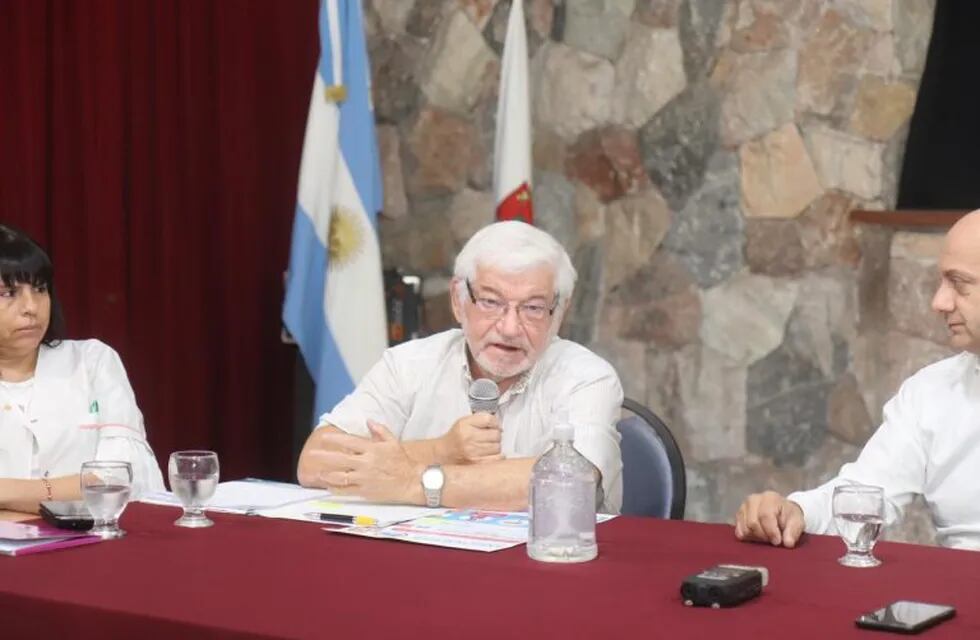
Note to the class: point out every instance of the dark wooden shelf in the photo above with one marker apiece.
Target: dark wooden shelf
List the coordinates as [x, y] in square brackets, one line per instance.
[931, 218]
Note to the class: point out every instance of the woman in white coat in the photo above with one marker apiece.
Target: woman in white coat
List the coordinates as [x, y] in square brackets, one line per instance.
[62, 402]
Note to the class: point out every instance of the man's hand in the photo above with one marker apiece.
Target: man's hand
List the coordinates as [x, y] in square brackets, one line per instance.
[769, 517]
[377, 469]
[472, 438]
[314, 461]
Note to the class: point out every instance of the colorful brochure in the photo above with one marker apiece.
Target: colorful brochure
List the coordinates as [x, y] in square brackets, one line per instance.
[469, 529]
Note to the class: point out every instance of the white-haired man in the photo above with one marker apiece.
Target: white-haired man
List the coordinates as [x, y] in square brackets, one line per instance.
[929, 441]
[409, 418]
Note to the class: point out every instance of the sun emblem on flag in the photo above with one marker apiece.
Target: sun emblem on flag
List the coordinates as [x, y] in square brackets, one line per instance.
[335, 93]
[346, 237]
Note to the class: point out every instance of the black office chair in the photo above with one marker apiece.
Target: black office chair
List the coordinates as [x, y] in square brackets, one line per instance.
[654, 483]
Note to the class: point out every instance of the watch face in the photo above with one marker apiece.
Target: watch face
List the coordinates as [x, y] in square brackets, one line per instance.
[433, 478]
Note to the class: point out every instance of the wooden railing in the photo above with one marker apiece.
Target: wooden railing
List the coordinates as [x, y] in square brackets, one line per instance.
[936, 218]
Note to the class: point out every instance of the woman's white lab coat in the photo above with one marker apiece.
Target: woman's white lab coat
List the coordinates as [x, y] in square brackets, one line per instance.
[81, 408]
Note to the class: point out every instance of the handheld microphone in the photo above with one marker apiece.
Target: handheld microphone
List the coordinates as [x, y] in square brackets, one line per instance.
[484, 395]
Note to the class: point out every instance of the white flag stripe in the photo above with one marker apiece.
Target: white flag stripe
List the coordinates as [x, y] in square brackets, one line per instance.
[318, 165]
[336, 51]
[512, 141]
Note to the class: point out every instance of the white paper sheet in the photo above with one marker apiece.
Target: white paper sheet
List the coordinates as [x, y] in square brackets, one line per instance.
[245, 496]
[293, 502]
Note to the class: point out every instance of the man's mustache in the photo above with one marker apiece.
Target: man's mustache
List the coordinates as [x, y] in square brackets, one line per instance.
[517, 344]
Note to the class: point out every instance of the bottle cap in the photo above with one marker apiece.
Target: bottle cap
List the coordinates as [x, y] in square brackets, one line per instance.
[564, 432]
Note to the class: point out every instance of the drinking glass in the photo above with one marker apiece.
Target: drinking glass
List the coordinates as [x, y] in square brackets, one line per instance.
[193, 479]
[106, 485]
[859, 512]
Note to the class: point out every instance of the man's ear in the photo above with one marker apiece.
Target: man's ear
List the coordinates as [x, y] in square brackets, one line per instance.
[559, 317]
[457, 306]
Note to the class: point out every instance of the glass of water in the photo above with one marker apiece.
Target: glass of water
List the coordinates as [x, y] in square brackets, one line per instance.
[859, 512]
[193, 479]
[106, 485]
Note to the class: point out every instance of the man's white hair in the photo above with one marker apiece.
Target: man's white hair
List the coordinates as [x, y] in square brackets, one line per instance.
[513, 247]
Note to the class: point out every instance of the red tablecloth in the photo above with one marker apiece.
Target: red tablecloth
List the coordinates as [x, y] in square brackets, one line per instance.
[255, 577]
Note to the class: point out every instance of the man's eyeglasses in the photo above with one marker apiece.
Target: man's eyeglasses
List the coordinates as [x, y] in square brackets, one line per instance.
[526, 311]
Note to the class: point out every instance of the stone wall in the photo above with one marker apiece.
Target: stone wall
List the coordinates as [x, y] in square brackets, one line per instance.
[699, 159]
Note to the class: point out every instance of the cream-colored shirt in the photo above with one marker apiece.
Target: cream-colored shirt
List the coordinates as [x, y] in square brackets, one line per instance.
[928, 444]
[419, 389]
[78, 407]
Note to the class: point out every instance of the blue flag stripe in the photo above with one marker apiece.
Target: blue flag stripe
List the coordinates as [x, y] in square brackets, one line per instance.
[357, 136]
[325, 66]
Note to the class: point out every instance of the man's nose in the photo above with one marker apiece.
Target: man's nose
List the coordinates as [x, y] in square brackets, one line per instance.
[509, 324]
[942, 301]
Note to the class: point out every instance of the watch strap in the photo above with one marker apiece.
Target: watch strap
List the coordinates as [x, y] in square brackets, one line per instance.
[433, 496]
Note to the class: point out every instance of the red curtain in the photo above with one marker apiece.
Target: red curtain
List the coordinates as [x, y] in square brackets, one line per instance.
[153, 146]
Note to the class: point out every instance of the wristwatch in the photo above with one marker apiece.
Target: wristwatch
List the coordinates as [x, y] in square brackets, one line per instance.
[433, 480]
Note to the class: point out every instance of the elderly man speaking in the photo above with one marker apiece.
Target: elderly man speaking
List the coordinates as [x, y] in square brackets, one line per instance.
[407, 433]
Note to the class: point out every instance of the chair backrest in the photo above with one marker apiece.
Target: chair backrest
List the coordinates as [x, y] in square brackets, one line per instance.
[654, 482]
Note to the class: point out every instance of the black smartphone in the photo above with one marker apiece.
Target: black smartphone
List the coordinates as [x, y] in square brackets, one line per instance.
[71, 514]
[905, 616]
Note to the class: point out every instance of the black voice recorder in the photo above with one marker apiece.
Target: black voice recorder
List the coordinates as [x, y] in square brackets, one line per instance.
[724, 585]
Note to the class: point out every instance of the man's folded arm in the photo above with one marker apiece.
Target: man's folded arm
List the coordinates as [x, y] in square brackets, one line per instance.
[501, 485]
[428, 452]
[497, 484]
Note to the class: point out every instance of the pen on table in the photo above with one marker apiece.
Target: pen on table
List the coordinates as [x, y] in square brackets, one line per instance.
[337, 518]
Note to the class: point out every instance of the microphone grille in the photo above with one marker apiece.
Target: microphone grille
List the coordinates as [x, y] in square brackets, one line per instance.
[484, 395]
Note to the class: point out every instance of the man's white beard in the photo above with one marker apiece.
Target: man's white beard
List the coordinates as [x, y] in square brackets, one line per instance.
[502, 373]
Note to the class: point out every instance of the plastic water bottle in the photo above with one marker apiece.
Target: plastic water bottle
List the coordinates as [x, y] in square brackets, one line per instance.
[562, 503]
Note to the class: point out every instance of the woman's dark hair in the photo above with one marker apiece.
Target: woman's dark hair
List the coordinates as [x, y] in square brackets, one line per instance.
[23, 261]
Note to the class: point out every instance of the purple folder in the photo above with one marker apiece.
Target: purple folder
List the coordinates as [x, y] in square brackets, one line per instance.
[18, 538]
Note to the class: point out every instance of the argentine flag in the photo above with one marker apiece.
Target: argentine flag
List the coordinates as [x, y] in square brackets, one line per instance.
[334, 305]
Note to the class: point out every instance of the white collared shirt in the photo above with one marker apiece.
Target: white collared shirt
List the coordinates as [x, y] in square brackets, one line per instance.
[419, 389]
[78, 407]
[928, 444]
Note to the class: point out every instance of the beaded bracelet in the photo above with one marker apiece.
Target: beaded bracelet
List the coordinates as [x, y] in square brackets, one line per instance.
[47, 488]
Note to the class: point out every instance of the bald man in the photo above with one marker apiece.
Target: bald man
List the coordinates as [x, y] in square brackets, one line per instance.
[929, 441]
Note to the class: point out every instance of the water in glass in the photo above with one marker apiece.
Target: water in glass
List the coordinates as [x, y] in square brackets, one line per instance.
[562, 503]
[194, 492]
[193, 479]
[859, 516]
[106, 487]
[107, 501]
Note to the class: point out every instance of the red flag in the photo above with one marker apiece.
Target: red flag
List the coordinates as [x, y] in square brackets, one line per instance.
[512, 143]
